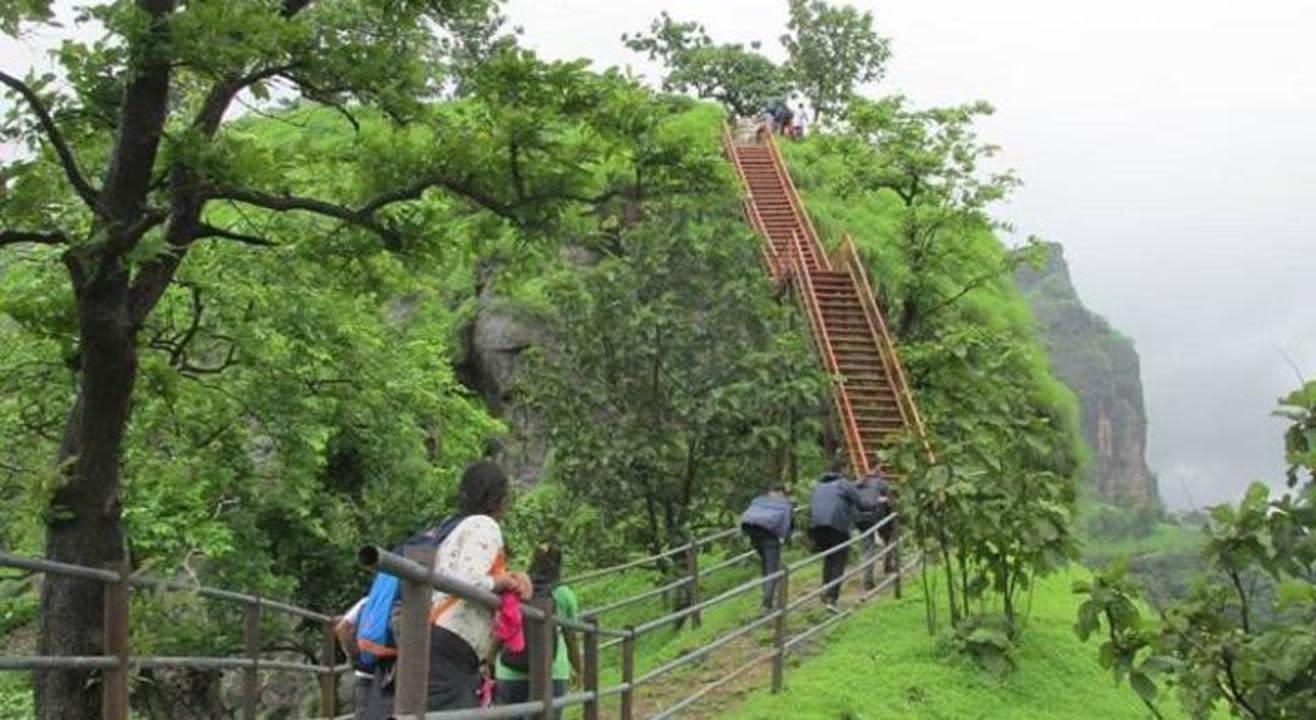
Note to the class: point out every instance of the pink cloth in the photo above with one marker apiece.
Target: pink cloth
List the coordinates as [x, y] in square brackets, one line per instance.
[486, 691]
[508, 623]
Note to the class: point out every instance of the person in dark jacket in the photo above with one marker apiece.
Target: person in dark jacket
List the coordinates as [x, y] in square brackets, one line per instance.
[767, 521]
[875, 493]
[831, 513]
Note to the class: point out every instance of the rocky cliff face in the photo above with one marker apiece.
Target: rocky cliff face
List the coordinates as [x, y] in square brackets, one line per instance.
[1101, 367]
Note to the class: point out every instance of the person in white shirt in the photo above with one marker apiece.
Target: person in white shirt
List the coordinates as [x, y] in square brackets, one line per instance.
[801, 121]
[462, 632]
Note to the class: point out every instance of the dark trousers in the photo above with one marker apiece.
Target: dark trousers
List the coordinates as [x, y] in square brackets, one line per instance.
[768, 546]
[454, 678]
[826, 538]
[515, 692]
[373, 696]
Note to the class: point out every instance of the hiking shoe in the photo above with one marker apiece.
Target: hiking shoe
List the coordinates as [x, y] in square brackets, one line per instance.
[831, 608]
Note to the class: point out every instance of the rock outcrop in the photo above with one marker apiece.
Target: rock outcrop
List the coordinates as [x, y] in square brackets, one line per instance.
[1101, 367]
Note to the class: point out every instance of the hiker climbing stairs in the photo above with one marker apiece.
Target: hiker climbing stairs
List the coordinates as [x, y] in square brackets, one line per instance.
[871, 395]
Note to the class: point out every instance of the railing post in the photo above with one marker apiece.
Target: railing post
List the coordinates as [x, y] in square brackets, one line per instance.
[591, 679]
[895, 550]
[779, 634]
[692, 568]
[329, 680]
[251, 642]
[414, 643]
[114, 682]
[628, 674]
[541, 661]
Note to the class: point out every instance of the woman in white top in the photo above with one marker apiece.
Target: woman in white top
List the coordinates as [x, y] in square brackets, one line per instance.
[462, 632]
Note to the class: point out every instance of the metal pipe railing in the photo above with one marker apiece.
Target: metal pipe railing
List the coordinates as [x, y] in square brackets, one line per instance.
[601, 572]
[419, 582]
[841, 546]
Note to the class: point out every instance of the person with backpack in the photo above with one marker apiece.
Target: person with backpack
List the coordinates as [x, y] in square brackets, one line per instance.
[875, 492]
[831, 513]
[372, 691]
[461, 632]
[511, 671]
[367, 631]
[767, 522]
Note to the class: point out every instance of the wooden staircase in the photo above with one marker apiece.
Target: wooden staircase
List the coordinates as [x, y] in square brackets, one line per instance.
[871, 394]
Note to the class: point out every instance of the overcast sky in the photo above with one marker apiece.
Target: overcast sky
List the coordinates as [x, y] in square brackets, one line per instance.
[1170, 145]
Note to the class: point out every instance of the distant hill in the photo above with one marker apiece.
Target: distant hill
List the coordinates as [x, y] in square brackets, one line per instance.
[1101, 366]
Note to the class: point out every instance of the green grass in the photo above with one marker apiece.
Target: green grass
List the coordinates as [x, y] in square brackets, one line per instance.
[883, 664]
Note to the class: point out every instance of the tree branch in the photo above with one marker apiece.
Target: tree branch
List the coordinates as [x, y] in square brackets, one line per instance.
[363, 218]
[210, 231]
[89, 194]
[18, 237]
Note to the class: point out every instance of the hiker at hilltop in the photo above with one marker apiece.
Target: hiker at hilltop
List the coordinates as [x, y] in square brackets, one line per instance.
[831, 513]
[767, 522]
[800, 124]
[511, 670]
[778, 110]
[461, 632]
[875, 492]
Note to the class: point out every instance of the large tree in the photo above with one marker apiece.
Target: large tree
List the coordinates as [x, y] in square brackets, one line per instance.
[740, 78]
[136, 157]
[933, 161]
[831, 50]
[696, 373]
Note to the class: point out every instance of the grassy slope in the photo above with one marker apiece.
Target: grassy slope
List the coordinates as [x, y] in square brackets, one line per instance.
[883, 664]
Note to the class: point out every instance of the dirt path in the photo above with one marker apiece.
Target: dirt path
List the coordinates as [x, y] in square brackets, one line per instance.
[672, 687]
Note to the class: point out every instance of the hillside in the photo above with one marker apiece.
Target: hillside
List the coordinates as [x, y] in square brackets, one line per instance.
[1101, 366]
[883, 664]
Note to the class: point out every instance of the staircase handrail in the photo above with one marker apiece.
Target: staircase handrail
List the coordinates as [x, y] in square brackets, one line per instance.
[850, 259]
[809, 298]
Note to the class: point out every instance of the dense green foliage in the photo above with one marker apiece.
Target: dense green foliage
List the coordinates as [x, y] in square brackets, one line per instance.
[1244, 637]
[698, 377]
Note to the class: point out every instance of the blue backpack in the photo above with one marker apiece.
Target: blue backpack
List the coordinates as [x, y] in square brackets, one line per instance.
[374, 625]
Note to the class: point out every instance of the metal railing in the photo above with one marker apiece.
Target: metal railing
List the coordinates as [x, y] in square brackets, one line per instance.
[848, 258]
[419, 580]
[116, 664]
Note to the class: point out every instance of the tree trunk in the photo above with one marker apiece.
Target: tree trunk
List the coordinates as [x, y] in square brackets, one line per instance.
[83, 525]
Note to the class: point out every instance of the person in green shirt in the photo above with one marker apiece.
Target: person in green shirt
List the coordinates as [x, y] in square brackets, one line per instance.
[511, 685]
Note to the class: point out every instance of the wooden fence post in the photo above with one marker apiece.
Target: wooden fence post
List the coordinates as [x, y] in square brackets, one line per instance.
[692, 568]
[114, 682]
[251, 642]
[628, 674]
[779, 639]
[329, 680]
[414, 643]
[591, 679]
[541, 661]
